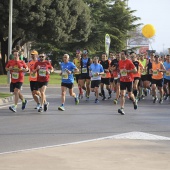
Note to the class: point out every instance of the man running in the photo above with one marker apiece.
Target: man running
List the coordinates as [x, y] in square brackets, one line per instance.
[43, 69]
[127, 68]
[116, 76]
[67, 69]
[157, 79]
[16, 68]
[84, 73]
[77, 61]
[33, 78]
[96, 70]
[143, 82]
[167, 77]
[105, 80]
[136, 75]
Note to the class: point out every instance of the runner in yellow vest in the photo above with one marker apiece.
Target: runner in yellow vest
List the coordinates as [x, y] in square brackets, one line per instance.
[77, 63]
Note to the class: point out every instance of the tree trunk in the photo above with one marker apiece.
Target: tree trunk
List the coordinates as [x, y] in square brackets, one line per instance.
[4, 53]
[1, 68]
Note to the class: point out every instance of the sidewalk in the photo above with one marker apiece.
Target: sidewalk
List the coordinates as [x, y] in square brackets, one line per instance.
[98, 155]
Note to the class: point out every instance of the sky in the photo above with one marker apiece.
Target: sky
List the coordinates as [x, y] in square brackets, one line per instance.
[157, 13]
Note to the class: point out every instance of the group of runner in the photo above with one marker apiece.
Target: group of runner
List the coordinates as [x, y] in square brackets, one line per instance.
[138, 74]
[121, 72]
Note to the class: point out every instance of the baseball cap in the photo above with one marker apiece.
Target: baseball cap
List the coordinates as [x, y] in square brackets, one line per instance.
[157, 56]
[34, 52]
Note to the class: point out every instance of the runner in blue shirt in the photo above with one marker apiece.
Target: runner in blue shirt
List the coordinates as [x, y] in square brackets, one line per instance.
[67, 80]
[167, 78]
[96, 70]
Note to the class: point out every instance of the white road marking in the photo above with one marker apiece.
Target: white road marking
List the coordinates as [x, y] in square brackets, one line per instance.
[130, 135]
[18, 103]
[140, 136]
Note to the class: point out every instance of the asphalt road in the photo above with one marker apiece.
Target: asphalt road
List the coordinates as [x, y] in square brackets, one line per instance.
[29, 129]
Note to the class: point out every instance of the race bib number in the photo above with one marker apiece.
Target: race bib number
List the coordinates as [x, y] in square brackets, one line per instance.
[84, 70]
[167, 73]
[123, 73]
[42, 73]
[15, 75]
[64, 75]
[155, 72]
[94, 74]
[33, 75]
[150, 71]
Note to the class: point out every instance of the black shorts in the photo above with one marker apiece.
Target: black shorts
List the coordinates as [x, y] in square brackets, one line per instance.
[95, 83]
[144, 77]
[105, 81]
[16, 85]
[136, 78]
[149, 77]
[40, 84]
[166, 81]
[126, 85]
[33, 85]
[68, 85]
[111, 80]
[77, 76]
[158, 82]
[117, 80]
[84, 76]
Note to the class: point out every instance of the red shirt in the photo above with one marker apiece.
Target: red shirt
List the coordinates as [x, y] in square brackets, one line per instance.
[125, 65]
[42, 72]
[32, 77]
[17, 74]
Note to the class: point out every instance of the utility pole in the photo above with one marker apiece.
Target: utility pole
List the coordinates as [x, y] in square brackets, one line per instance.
[10, 35]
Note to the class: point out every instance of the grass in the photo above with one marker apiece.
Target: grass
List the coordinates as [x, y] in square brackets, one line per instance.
[55, 78]
[3, 95]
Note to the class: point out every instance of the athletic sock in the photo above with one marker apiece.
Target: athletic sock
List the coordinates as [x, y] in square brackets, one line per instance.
[103, 93]
[135, 93]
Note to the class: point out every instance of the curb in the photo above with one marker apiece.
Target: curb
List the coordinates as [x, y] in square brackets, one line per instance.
[6, 100]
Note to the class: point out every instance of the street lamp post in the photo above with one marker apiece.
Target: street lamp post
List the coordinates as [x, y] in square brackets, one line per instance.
[10, 34]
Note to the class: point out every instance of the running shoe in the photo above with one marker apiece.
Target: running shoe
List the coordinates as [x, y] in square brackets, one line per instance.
[166, 97]
[145, 92]
[40, 109]
[100, 94]
[96, 101]
[76, 100]
[87, 98]
[110, 96]
[161, 101]
[104, 98]
[115, 101]
[61, 108]
[38, 106]
[135, 103]
[121, 111]
[24, 104]
[46, 106]
[13, 108]
[155, 99]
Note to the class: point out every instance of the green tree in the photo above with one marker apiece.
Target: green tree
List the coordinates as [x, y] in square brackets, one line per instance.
[51, 21]
[114, 18]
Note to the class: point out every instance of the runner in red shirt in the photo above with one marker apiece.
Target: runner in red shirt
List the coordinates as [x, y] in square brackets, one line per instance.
[16, 68]
[43, 69]
[127, 68]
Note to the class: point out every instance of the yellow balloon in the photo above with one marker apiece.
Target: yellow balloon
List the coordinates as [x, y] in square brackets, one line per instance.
[148, 31]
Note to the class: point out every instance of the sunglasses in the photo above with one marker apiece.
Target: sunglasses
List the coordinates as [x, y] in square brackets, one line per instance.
[41, 56]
